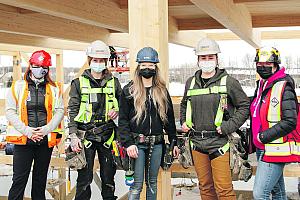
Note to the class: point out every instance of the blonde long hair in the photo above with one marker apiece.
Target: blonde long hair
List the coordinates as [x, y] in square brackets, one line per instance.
[159, 96]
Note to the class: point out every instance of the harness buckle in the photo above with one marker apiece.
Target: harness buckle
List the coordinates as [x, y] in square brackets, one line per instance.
[141, 138]
[152, 139]
[106, 145]
[220, 150]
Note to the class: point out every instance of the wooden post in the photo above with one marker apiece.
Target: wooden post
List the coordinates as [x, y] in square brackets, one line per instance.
[17, 69]
[165, 191]
[148, 26]
[61, 147]
[59, 68]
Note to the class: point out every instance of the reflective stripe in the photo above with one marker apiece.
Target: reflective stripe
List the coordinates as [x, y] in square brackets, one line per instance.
[274, 111]
[210, 90]
[86, 110]
[295, 148]
[277, 149]
[222, 90]
[225, 148]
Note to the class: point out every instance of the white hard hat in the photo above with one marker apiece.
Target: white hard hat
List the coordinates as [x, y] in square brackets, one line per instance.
[98, 49]
[207, 46]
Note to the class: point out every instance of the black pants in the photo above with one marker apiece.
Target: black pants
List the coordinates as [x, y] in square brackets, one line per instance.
[22, 161]
[107, 173]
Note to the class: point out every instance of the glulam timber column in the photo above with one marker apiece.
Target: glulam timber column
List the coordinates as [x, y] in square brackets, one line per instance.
[17, 69]
[148, 26]
[61, 146]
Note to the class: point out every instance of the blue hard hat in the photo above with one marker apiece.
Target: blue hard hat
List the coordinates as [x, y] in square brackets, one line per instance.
[147, 54]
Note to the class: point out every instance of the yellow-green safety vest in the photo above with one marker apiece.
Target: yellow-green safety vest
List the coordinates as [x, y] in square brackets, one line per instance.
[86, 108]
[222, 90]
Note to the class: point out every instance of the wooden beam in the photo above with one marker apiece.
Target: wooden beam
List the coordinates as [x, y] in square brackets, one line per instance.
[258, 21]
[276, 20]
[118, 39]
[48, 26]
[199, 24]
[27, 49]
[124, 3]
[234, 17]
[289, 34]
[247, 1]
[185, 38]
[265, 35]
[26, 40]
[104, 13]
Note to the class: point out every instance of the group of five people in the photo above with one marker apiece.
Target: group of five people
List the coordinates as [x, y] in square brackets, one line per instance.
[34, 109]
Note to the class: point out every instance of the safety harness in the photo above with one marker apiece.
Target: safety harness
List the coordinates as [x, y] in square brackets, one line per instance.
[222, 91]
[86, 108]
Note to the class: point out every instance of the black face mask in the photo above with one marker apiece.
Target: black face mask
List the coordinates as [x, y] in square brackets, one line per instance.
[147, 73]
[264, 72]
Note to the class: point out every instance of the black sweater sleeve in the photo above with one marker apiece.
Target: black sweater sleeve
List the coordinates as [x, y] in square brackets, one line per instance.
[74, 105]
[125, 134]
[118, 89]
[170, 126]
[241, 105]
[288, 117]
[183, 103]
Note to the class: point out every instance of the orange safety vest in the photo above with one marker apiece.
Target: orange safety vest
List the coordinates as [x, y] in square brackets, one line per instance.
[20, 94]
[285, 149]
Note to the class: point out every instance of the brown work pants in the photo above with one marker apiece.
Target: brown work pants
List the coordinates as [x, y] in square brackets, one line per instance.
[214, 177]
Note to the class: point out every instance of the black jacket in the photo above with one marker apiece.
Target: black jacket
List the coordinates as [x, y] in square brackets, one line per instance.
[289, 106]
[204, 109]
[36, 111]
[98, 106]
[127, 127]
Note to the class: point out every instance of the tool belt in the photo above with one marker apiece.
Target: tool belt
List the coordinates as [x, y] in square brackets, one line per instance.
[100, 133]
[204, 133]
[75, 160]
[149, 139]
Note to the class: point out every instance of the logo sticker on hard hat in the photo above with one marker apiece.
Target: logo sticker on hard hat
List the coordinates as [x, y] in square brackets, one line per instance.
[41, 58]
[203, 48]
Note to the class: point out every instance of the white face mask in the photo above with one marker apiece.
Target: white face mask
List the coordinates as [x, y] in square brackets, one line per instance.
[38, 72]
[207, 66]
[97, 67]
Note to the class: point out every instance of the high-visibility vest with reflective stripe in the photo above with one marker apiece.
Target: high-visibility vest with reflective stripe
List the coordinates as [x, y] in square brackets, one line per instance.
[221, 90]
[86, 108]
[52, 97]
[285, 149]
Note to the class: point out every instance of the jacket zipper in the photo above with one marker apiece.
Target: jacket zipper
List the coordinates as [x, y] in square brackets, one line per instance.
[149, 98]
[36, 105]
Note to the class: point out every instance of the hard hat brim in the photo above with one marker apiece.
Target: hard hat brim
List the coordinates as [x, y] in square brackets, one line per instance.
[201, 53]
[98, 55]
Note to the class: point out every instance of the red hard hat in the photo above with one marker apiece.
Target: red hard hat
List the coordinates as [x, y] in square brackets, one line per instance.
[40, 58]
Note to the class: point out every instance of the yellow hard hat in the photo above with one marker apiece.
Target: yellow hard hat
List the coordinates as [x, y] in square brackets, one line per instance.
[267, 54]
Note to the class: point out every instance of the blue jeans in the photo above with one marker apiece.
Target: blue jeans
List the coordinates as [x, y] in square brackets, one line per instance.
[268, 180]
[141, 167]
